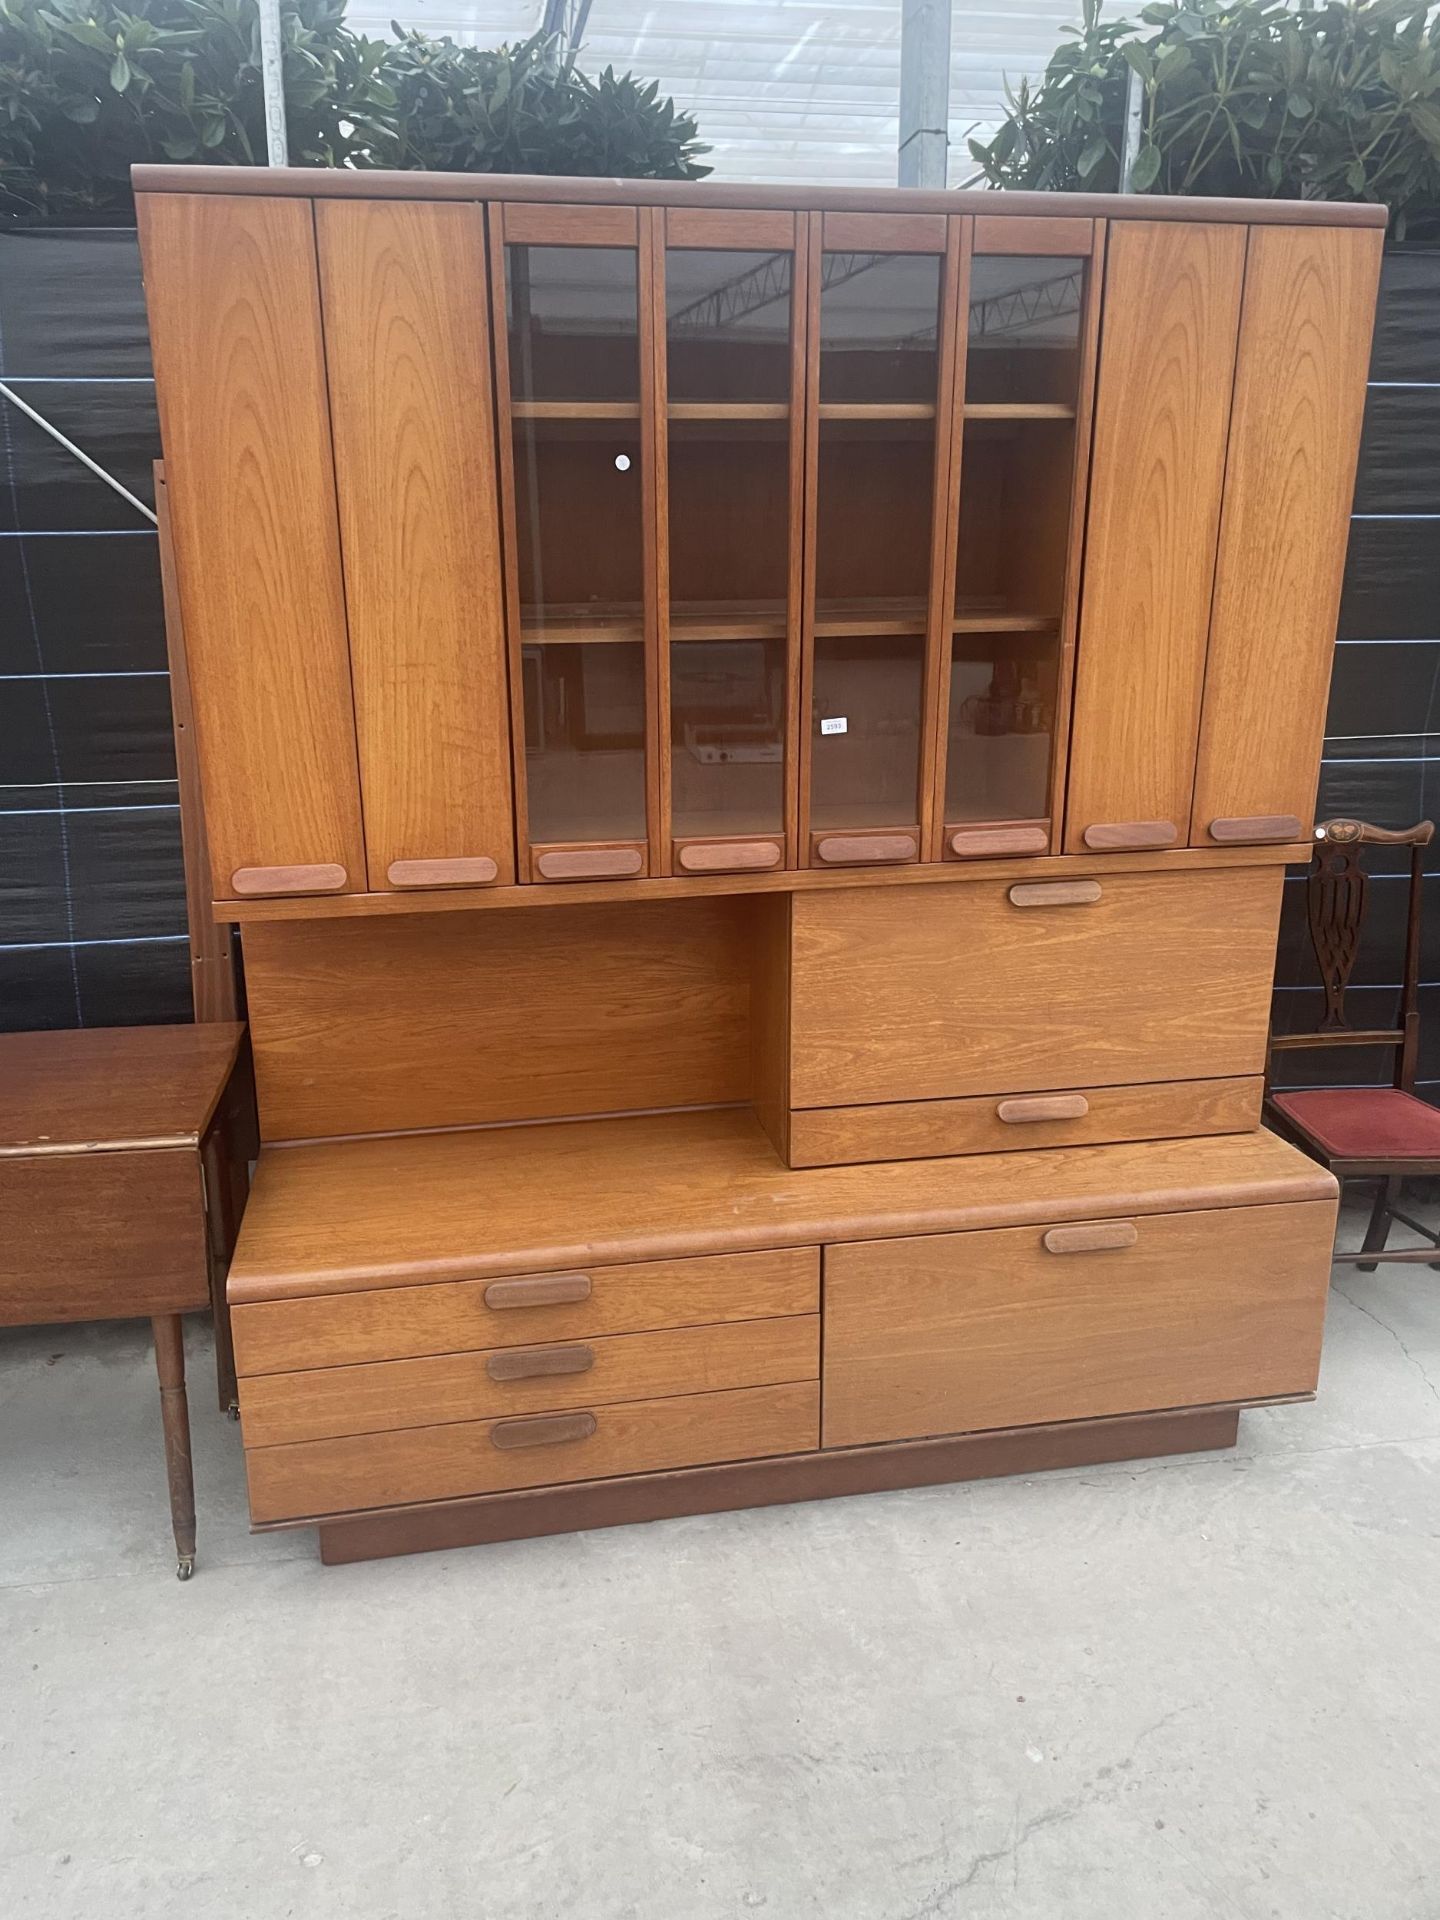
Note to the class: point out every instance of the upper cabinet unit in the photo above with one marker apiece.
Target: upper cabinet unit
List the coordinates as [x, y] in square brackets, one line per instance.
[622, 534]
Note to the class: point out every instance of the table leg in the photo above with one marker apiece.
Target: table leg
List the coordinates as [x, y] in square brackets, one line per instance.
[175, 1414]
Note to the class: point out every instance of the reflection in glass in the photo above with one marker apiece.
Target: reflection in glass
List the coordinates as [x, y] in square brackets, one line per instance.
[1002, 716]
[727, 737]
[727, 325]
[572, 315]
[1024, 329]
[879, 327]
[865, 733]
[580, 547]
[1016, 480]
[585, 741]
[729, 518]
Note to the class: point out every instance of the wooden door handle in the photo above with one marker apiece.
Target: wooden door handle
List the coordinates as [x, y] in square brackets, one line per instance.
[1104, 1236]
[324, 878]
[1256, 827]
[539, 1290]
[1042, 1106]
[534, 1363]
[991, 843]
[476, 872]
[590, 863]
[542, 1430]
[1055, 893]
[864, 849]
[1116, 836]
[730, 856]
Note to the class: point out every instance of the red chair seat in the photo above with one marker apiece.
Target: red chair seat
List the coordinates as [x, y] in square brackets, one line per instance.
[1365, 1123]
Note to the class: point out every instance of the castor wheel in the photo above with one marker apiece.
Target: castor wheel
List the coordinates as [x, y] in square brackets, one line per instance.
[232, 1412]
[185, 1566]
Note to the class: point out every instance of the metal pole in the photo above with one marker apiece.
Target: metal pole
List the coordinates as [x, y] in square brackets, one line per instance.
[924, 92]
[272, 81]
[1134, 119]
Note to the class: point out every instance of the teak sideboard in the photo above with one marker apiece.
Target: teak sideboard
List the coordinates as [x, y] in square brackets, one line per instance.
[752, 737]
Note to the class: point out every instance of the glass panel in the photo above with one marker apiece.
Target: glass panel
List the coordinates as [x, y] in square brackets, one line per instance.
[729, 521]
[572, 314]
[578, 521]
[1024, 329]
[585, 741]
[728, 325]
[879, 327]
[865, 733]
[872, 530]
[1016, 479]
[1002, 715]
[727, 734]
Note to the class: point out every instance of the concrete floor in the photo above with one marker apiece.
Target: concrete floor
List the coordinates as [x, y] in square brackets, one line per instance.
[1208, 1688]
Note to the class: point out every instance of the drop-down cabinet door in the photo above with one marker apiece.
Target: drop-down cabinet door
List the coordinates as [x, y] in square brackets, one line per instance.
[408, 349]
[234, 307]
[1294, 438]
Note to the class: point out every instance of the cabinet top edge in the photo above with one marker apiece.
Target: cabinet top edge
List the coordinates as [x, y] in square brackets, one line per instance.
[347, 184]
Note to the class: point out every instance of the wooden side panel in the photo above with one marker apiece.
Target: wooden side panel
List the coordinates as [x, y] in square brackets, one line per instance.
[234, 308]
[407, 345]
[1171, 314]
[437, 1020]
[441, 1463]
[1294, 439]
[955, 1333]
[960, 990]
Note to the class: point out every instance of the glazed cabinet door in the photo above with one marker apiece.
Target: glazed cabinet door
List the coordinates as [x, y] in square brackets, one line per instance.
[574, 324]
[1162, 414]
[882, 292]
[1030, 304]
[408, 356]
[731, 494]
[233, 296]
[1294, 439]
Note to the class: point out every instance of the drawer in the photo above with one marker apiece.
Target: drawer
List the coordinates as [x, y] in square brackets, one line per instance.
[548, 1449]
[954, 1333]
[923, 1129]
[903, 994]
[277, 1408]
[397, 1323]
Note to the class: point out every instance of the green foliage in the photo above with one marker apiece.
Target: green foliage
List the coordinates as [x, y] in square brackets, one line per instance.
[87, 87]
[1252, 98]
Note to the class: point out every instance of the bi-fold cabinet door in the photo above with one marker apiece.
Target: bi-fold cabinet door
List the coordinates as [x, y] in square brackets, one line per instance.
[950, 374]
[1231, 386]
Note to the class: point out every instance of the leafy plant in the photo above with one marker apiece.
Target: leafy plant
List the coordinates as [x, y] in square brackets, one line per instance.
[87, 87]
[1252, 98]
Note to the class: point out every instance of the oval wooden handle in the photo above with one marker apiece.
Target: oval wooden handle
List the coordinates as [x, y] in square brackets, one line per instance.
[1104, 1236]
[590, 863]
[1118, 836]
[539, 1290]
[317, 879]
[865, 849]
[1043, 1106]
[1055, 893]
[992, 843]
[536, 1363]
[542, 1430]
[1250, 828]
[730, 856]
[476, 872]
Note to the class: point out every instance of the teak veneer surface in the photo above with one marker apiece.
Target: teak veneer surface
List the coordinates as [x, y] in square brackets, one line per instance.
[342, 1216]
[341, 183]
[112, 1087]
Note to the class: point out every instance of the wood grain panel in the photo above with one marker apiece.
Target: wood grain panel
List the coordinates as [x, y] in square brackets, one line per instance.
[399, 1323]
[345, 1216]
[1172, 310]
[326, 1402]
[441, 1463]
[126, 1086]
[1163, 977]
[407, 346]
[1294, 439]
[997, 233]
[958, 1333]
[240, 379]
[899, 1130]
[421, 1021]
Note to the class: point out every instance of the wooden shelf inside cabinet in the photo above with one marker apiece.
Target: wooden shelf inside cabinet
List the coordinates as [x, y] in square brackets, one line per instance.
[580, 626]
[574, 409]
[740, 410]
[695, 620]
[839, 619]
[878, 410]
[1018, 410]
[999, 620]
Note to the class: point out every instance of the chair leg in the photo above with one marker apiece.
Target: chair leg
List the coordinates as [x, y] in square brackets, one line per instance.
[175, 1415]
[1378, 1231]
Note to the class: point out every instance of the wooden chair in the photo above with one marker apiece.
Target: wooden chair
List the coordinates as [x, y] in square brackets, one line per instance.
[1363, 1133]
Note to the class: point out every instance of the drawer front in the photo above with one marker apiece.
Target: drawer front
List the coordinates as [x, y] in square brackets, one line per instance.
[955, 1333]
[279, 1408]
[496, 1456]
[943, 992]
[922, 1129]
[398, 1323]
